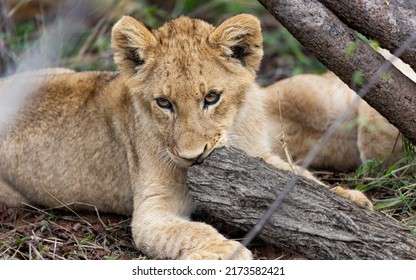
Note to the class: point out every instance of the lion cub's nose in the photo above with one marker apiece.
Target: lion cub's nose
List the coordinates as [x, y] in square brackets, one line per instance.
[196, 156]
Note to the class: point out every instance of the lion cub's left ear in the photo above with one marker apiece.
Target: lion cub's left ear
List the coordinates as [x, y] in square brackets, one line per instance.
[131, 41]
[240, 38]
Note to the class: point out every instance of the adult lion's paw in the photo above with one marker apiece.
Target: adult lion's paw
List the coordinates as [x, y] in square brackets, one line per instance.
[223, 250]
[354, 195]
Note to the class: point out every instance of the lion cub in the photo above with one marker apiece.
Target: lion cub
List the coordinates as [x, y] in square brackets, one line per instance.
[123, 141]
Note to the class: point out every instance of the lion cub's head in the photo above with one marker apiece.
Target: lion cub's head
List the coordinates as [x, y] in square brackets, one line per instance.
[191, 77]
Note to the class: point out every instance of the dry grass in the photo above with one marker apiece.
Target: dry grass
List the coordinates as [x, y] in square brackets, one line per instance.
[34, 234]
[30, 233]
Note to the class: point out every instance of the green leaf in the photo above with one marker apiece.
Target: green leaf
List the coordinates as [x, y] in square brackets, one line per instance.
[358, 78]
[351, 48]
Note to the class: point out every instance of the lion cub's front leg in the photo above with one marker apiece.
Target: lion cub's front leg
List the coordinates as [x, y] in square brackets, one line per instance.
[356, 196]
[161, 227]
[279, 163]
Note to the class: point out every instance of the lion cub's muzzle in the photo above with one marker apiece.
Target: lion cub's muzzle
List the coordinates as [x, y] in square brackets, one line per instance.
[191, 157]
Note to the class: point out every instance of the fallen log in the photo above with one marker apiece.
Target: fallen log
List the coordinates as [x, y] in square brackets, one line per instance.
[312, 221]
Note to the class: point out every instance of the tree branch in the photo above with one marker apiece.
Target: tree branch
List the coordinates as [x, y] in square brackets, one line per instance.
[312, 220]
[339, 48]
[390, 22]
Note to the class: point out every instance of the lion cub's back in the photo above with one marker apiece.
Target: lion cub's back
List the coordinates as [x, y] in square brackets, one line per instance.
[61, 141]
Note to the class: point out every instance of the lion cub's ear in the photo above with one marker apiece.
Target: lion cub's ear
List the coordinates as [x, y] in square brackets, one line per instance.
[130, 39]
[240, 38]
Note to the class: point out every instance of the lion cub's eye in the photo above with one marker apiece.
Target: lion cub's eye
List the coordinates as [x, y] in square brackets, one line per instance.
[211, 98]
[163, 103]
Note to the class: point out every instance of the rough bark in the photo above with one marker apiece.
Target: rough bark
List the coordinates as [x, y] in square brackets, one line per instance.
[312, 220]
[390, 22]
[339, 48]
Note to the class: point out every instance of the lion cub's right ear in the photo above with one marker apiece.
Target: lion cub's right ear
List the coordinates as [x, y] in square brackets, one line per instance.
[130, 40]
[240, 39]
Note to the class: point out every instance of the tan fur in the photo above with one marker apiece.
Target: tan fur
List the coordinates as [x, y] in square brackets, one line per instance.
[305, 106]
[99, 138]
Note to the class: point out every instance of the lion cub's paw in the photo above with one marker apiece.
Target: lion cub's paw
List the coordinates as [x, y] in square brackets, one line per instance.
[354, 195]
[222, 250]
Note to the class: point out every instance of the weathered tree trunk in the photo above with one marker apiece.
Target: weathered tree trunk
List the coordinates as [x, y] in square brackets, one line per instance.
[390, 22]
[339, 48]
[312, 220]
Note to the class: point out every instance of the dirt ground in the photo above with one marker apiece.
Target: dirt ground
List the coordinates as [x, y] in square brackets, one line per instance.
[31, 233]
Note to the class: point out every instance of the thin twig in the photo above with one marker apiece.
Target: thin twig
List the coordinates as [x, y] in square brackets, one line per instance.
[63, 205]
[282, 139]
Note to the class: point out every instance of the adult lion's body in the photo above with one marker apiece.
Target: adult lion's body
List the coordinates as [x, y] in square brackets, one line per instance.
[122, 142]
